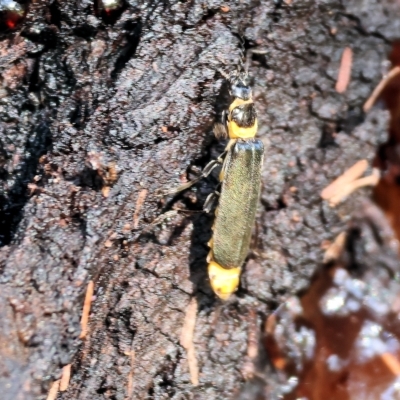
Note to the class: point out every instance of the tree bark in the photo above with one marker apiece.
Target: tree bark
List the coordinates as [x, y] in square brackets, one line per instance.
[98, 114]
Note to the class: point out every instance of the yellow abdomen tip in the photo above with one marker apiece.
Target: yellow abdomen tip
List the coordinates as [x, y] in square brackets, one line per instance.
[223, 281]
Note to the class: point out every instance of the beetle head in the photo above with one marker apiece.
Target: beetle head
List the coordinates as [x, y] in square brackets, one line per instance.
[240, 85]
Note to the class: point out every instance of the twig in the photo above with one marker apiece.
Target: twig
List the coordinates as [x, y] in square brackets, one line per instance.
[350, 175]
[344, 70]
[334, 250]
[86, 309]
[66, 375]
[371, 180]
[130, 376]
[53, 390]
[249, 369]
[105, 191]
[139, 203]
[391, 362]
[348, 182]
[187, 341]
[378, 90]
[252, 341]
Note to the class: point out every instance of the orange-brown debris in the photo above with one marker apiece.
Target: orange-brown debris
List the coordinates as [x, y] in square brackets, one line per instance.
[335, 249]
[248, 369]
[252, 345]
[52, 395]
[371, 180]
[112, 173]
[65, 377]
[378, 90]
[350, 175]
[347, 183]
[344, 75]
[187, 341]
[391, 362]
[139, 203]
[270, 324]
[86, 309]
[131, 373]
[33, 188]
[105, 191]
[275, 353]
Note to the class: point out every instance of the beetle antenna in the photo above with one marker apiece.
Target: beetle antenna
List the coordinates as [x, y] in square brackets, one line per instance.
[242, 61]
[224, 74]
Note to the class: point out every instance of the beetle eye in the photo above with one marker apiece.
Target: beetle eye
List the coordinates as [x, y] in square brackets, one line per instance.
[240, 86]
[241, 91]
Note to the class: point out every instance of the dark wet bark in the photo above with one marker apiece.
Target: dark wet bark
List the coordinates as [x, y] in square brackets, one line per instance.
[83, 95]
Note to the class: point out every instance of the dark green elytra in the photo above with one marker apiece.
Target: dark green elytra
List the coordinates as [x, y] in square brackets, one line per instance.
[237, 204]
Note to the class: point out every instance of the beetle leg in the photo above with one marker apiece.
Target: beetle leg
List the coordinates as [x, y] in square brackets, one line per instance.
[225, 117]
[221, 128]
[249, 55]
[206, 171]
[210, 201]
[159, 220]
[220, 131]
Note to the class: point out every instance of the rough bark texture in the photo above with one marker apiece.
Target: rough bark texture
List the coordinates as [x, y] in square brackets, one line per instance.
[82, 96]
